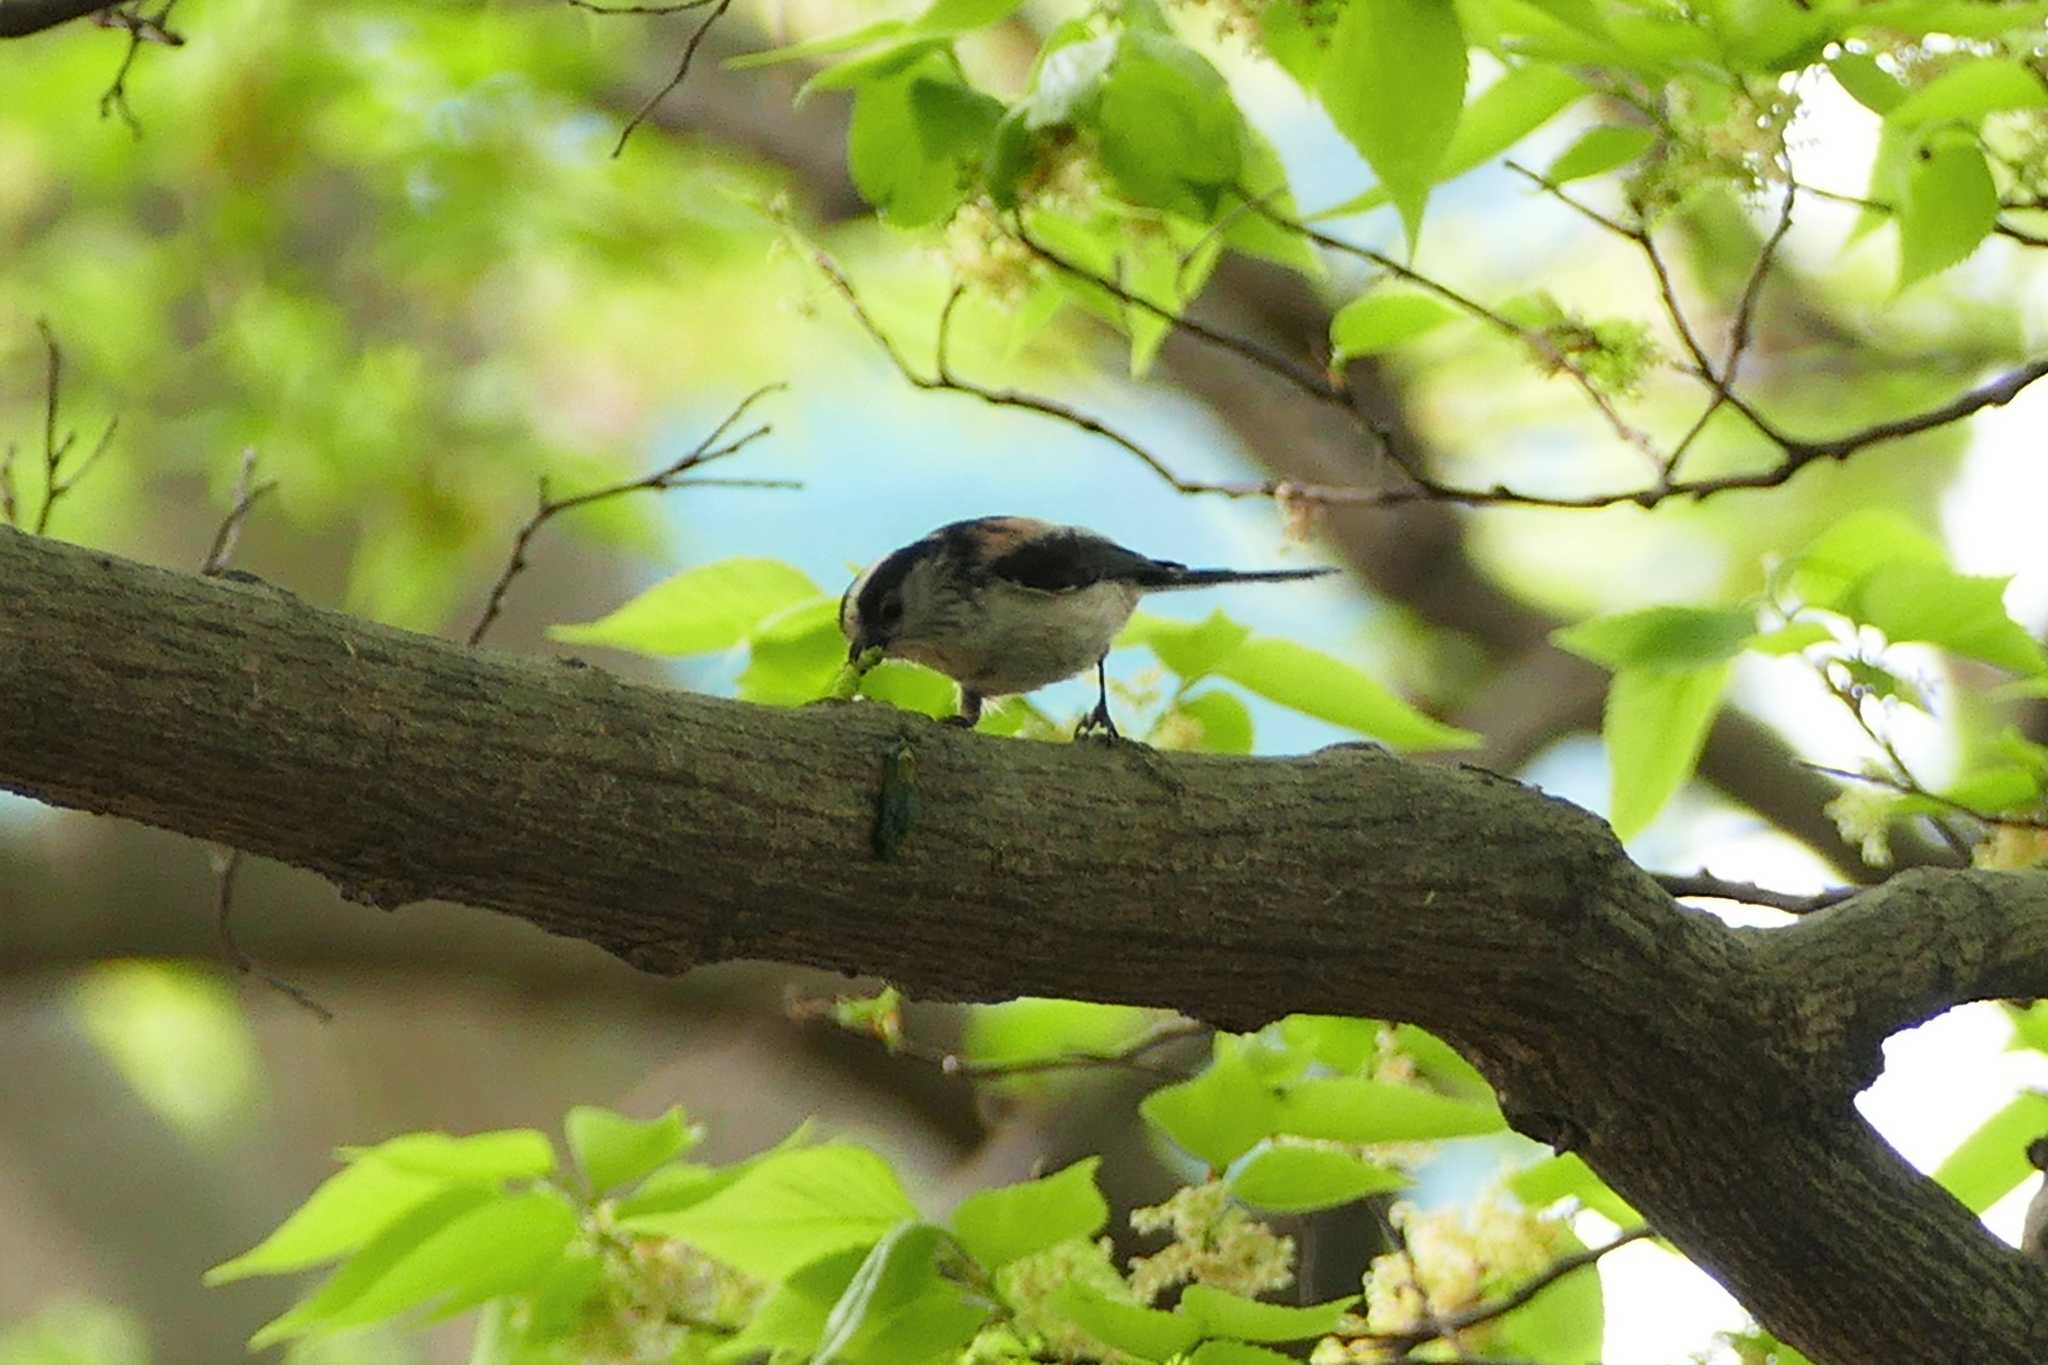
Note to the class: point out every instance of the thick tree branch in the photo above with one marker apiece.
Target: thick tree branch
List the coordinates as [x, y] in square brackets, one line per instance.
[19, 18]
[1706, 1072]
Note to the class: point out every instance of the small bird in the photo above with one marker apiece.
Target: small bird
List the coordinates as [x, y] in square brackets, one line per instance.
[1003, 605]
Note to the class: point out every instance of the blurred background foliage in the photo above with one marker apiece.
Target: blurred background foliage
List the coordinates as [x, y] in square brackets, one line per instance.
[388, 247]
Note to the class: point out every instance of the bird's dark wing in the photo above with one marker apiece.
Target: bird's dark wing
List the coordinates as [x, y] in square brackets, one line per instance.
[1069, 558]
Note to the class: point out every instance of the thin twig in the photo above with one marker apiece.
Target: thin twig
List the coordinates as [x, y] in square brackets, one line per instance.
[141, 28]
[227, 863]
[1704, 883]
[56, 483]
[668, 476]
[682, 71]
[1999, 227]
[1448, 1327]
[229, 532]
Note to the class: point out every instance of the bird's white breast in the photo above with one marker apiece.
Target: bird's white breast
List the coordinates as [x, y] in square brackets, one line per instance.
[1024, 638]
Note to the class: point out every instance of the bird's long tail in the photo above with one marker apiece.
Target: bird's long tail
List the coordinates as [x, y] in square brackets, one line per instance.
[1179, 576]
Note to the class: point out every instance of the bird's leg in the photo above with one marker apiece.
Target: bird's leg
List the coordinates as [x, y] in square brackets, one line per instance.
[970, 711]
[1097, 724]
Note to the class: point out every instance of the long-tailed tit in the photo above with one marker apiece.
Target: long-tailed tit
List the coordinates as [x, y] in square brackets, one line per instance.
[1008, 604]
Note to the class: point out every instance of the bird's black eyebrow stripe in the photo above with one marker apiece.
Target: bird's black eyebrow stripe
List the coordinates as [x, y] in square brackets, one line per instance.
[886, 580]
[1068, 559]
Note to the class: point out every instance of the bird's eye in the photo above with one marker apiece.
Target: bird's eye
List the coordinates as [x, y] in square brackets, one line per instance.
[892, 611]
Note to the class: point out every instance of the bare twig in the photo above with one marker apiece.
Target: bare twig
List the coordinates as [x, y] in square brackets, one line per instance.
[141, 28]
[229, 532]
[668, 476]
[1704, 883]
[682, 71]
[56, 483]
[1441, 1328]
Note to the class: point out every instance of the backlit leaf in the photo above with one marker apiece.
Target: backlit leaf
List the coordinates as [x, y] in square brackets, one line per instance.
[699, 610]
[1951, 205]
[1655, 725]
[1000, 1225]
[1394, 84]
[1291, 1179]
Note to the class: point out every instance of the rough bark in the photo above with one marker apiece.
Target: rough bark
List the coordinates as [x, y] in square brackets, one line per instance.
[1706, 1072]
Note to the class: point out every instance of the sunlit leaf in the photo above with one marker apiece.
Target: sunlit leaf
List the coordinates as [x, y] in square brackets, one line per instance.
[1971, 90]
[1991, 1162]
[1226, 724]
[1320, 685]
[1000, 1225]
[1354, 1109]
[898, 1309]
[1600, 150]
[1384, 319]
[1869, 84]
[1145, 1332]
[1236, 1353]
[792, 1318]
[1568, 1177]
[1962, 613]
[1665, 638]
[1292, 1179]
[613, 1150]
[345, 1211]
[1655, 725]
[1566, 1323]
[1232, 1315]
[1394, 84]
[1951, 205]
[505, 1154]
[699, 610]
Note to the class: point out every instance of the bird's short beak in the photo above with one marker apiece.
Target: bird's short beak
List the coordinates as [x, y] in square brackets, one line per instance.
[861, 644]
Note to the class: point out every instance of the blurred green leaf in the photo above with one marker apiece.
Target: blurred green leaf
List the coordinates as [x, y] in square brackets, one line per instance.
[1033, 1028]
[613, 1150]
[1600, 150]
[1169, 127]
[1655, 725]
[465, 1245]
[1220, 1114]
[1568, 1177]
[1354, 1109]
[346, 1210]
[1963, 614]
[1236, 1353]
[1226, 724]
[1967, 92]
[789, 1210]
[1394, 84]
[1383, 319]
[1290, 1179]
[898, 1309]
[1566, 1323]
[912, 687]
[1145, 1332]
[1791, 638]
[914, 138]
[1337, 1041]
[794, 654]
[1319, 685]
[1991, 1162]
[1193, 650]
[792, 1317]
[1844, 554]
[942, 19]
[503, 1154]
[998, 1226]
[1442, 1066]
[699, 610]
[1223, 1314]
[1661, 638]
[1869, 84]
[1950, 207]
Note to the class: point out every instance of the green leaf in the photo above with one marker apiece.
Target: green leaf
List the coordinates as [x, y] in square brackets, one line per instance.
[898, 1309]
[1032, 1028]
[1869, 84]
[1225, 722]
[943, 19]
[792, 1318]
[1001, 1225]
[613, 1150]
[1384, 319]
[1068, 81]
[1563, 1325]
[1219, 1115]
[1394, 84]
[1661, 637]
[1190, 649]
[912, 687]
[1791, 638]
[699, 610]
[1992, 1161]
[505, 1154]
[1963, 614]
[914, 138]
[1354, 1109]
[1232, 1315]
[794, 654]
[1569, 1177]
[1327, 688]
[1844, 554]
[1966, 93]
[2029, 1025]
[1655, 725]
[1600, 150]
[1144, 1332]
[1337, 1041]
[467, 1245]
[1236, 1353]
[1441, 1065]
[348, 1209]
[789, 1210]
[1262, 180]
[1169, 129]
[1950, 206]
[1288, 1179]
